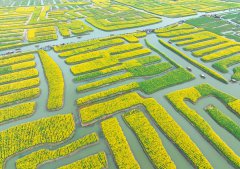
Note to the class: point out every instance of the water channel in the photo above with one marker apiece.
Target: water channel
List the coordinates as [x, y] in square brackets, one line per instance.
[215, 158]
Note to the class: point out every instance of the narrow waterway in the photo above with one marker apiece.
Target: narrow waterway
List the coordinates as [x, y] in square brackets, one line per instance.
[215, 158]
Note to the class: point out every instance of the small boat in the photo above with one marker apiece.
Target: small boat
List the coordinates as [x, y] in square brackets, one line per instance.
[47, 48]
[181, 22]
[202, 76]
[233, 80]
[189, 69]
